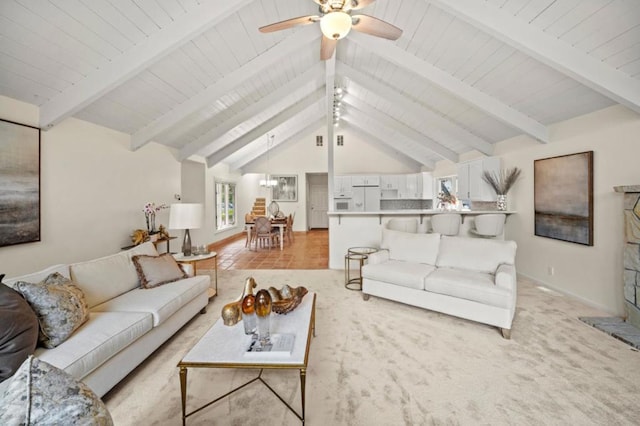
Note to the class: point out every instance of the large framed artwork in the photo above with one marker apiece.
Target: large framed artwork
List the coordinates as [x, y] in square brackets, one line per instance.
[563, 197]
[19, 183]
[286, 188]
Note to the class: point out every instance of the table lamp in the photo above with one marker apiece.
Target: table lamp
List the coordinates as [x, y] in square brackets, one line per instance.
[186, 216]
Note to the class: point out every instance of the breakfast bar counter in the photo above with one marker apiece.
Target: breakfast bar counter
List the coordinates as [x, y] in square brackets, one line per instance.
[363, 229]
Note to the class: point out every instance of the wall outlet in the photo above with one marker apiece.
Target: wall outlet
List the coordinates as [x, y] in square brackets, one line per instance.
[550, 270]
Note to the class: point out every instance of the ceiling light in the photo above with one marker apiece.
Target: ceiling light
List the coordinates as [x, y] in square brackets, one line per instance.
[335, 25]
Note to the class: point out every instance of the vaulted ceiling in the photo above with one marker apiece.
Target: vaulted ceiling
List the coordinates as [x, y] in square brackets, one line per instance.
[198, 76]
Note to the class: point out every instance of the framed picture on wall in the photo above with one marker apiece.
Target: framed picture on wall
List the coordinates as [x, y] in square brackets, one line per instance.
[19, 183]
[286, 188]
[563, 197]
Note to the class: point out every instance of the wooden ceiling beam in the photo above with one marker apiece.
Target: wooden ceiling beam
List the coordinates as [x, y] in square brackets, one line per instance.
[136, 59]
[407, 157]
[313, 76]
[562, 57]
[250, 69]
[387, 135]
[402, 128]
[441, 129]
[466, 93]
[293, 134]
[311, 101]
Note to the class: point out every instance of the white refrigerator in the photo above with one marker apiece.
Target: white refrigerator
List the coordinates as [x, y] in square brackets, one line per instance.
[365, 199]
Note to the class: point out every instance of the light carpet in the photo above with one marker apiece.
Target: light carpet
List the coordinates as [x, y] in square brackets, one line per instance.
[384, 363]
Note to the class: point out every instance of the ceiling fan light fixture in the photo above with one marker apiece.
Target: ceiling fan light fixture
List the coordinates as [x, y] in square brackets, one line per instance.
[335, 25]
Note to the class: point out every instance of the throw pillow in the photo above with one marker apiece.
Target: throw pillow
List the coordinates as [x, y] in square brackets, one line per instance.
[18, 333]
[60, 306]
[157, 270]
[41, 394]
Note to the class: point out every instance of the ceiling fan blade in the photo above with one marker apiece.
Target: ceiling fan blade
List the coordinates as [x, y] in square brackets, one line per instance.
[283, 25]
[327, 47]
[358, 4]
[376, 27]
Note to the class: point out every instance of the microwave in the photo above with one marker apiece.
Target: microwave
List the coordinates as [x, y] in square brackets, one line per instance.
[342, 204]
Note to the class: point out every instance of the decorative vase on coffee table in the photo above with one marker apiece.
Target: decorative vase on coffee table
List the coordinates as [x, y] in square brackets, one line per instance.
[263, 311]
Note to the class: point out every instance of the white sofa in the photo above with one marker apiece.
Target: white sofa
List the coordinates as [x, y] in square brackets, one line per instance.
[126, 323]
[470, 278]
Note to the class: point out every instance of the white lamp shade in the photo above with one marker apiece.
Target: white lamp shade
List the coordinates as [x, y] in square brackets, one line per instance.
[335, 25]
[186, 216]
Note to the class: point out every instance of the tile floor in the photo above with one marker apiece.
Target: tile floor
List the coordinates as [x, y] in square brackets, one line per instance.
[309, 250]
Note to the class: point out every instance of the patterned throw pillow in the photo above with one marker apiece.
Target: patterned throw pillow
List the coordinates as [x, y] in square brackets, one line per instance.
[157, 270]
[41, 394]
[60, 306]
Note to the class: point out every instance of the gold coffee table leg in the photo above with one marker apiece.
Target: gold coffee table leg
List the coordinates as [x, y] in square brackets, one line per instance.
[303, 377]
[183, 392]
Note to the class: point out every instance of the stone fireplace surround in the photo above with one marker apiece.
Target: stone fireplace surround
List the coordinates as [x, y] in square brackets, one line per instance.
[629, 330]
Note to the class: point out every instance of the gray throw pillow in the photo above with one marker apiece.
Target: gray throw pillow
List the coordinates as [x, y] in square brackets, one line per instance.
[41, 394]
[154, 271]
[18, 331]
[60, 306]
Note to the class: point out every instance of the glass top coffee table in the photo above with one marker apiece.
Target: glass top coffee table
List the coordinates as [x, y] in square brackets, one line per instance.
[226, 347]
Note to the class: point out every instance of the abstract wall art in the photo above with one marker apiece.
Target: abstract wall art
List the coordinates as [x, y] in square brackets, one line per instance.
[563, 197]
[19, 183]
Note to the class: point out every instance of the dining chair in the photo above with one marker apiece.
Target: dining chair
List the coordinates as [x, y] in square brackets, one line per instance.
[263, 232]
[488, 225]
[289, 228]
[248, 218]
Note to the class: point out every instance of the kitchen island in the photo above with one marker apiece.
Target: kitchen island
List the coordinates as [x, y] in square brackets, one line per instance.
[363, 229]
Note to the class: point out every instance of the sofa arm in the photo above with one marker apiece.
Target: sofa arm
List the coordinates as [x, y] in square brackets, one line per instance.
[380, 256]
[506, 277]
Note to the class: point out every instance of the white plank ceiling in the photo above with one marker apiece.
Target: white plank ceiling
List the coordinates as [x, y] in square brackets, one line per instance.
[198, 76]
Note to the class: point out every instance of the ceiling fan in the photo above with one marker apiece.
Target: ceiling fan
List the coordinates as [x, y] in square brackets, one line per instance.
[336, 21]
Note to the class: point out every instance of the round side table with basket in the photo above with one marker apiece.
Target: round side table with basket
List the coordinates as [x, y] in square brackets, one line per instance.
[359, 255]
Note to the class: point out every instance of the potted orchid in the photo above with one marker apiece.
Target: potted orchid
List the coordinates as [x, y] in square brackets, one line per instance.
[150, 210]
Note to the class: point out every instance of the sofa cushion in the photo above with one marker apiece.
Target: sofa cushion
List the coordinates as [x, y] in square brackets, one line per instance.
[410, 247]
[110, 276]
[157, 270]
[36, 277]
[41, 394]
[103, 336]
[161, 302]
[475, 254]
[59, 305]
[18, 333]
[406, 274]
[470, 285]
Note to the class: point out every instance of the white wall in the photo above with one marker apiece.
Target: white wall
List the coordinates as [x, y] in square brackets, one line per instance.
[93, 189]
[593, 274]
[300, 157]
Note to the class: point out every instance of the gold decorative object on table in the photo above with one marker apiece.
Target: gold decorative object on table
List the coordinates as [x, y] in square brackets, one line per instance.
[232, 312]
[139, 236]
[286, 299]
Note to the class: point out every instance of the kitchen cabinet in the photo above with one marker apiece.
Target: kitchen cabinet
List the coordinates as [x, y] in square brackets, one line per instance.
[389, 187]
[363, 180]
[410, 187]
[389, 182]
[471, 185]
[342, 187]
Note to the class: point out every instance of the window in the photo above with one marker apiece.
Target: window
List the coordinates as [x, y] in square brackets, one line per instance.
[225, 205]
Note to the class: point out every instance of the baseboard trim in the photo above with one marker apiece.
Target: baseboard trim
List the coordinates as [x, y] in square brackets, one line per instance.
[564, 292]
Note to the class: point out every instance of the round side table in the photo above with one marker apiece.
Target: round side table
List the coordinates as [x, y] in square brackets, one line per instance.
[360, 255]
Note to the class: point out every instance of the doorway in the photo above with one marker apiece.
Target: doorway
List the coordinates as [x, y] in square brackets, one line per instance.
[317, 200]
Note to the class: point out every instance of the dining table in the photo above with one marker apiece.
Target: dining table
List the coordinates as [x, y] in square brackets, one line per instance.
[281, 224]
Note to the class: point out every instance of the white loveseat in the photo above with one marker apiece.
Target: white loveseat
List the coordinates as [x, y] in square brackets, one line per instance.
[126, 323]
[470, 278]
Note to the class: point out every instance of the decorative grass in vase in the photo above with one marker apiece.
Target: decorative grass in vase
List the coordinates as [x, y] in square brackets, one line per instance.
[502, 183]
